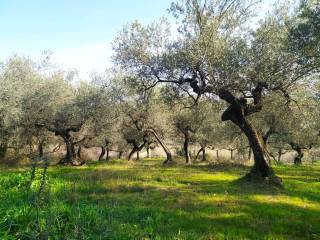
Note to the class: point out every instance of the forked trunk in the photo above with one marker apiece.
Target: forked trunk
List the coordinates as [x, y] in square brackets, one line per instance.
[261, 169]
[71, 155]
[136, 149]
[298, 158]
[68, 159]
[238, 112]
[163, 145]
[203, 151]
[296, 147]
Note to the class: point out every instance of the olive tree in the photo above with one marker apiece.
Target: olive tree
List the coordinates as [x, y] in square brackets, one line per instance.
[18, 78]
[145, 120]
[213, 54]
[62, 109]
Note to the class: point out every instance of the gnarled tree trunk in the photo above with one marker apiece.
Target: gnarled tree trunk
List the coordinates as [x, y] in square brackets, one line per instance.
[136, 148]
[40, 149]
[204, 158]
[102, 153]
[3, 150]
[163, 145]
[261, 167]
[217, 155]
[107, 153]
[148, 151]
[70, 151]
[203, 151]
[186, 147]
[79, 151]
[231, 154]
[280, 153]
[237, 113]
[296, 147]
[71, 156]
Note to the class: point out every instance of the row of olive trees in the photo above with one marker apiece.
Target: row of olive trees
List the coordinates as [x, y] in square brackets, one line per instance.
[264, 81]
[215, 54]
[42, 109]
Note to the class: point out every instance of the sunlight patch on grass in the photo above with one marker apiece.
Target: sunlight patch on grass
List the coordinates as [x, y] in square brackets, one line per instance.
[287, 200]
[147, 200]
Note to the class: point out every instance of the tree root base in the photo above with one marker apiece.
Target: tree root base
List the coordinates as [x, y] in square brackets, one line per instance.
[169, 162]
[74, 163]
[272, 179]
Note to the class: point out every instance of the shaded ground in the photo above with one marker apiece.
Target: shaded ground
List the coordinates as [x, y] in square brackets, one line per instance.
[146, 200]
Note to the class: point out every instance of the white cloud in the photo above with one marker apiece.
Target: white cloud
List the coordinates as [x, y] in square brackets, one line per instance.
[86, 58]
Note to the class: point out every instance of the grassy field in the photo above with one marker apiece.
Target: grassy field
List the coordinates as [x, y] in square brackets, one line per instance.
[147, 200]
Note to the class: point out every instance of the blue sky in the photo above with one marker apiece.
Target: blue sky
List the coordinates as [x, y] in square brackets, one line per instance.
[78, 32]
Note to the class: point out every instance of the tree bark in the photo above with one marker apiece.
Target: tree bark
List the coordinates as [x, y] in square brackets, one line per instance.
[231, 154]
[67, 138]
[249, 154]
[261, 167]
[3, 150]
[40, 149]
[299, 150]
[148, 151]
[138, 156]
[120, 154]
[204, 158]
[267, 135]
[203, 151]
[131, 153]
[163, 145]
[70, 154]
[136, 148]
[186, 147]
[79, 151]
[198, 153]
[237, 113]
[102, 153]
[107, 154]
[280, 153]
[217, 155]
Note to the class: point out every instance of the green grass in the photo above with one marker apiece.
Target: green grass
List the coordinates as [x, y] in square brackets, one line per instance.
[147, 200]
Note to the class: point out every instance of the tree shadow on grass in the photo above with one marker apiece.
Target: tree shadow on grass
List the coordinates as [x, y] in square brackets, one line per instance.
[190, 179]
[150, 202]
[165, 213]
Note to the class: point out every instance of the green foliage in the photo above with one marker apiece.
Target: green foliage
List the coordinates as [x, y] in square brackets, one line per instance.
[150, 201]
